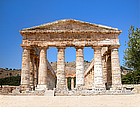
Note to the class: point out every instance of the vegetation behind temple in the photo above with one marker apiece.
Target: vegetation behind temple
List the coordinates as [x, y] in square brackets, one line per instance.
[12, 81]
[132, 57]
[12, 77]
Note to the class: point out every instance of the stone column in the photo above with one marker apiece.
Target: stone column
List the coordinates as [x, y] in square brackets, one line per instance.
[104, 64]
[79, 67]
[42, 72]
[109, 73]
[72, 83]
[35, 72]
[66, 82]
[25, 71]
[61, 81]
[116, 72]
[98, 70]
[32, 71]
[36, 67]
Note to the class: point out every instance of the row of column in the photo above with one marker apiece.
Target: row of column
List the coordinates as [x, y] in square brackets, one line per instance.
[33, 75]
[61, 80]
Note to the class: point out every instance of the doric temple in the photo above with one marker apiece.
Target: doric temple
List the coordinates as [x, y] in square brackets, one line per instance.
[103, 72]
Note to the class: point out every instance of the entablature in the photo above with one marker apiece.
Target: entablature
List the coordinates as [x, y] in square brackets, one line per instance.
[69, 36]
[86, 43]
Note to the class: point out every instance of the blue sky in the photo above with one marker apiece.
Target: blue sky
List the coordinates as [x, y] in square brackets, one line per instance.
[18, 14]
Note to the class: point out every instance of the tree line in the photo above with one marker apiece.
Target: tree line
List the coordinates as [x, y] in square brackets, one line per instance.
[12, 81]
[132, 57]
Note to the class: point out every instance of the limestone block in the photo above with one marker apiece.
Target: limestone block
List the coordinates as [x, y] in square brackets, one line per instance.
[25, 72]
[116, 72]
[98, 70]
[79, 67]
[42, 75]
[61, 81]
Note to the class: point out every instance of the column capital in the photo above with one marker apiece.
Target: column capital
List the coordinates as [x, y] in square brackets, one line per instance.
[115, 47]
[96, 47]
[61, 47]
[42, 45]
[26, 47]
[79, 47]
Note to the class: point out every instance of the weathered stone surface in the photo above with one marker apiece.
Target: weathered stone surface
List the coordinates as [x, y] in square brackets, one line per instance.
[31, 71]
[42, 74]
[25, 72]
[103, 70]
[89, 75]
[98, 69]
[116, 72]
[79, 67]
[72, 83]
[61, 81]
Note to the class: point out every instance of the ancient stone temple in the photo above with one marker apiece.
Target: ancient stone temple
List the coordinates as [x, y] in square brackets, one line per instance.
[103, 72]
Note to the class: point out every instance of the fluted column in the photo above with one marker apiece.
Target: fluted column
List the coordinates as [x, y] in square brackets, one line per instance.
[42, 72]
[115, 65]
[25, 71]
[61, 81]
[79, 67]
[72, 83]
[98, 70]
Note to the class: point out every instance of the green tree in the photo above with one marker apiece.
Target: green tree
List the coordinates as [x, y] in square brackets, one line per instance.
[132, 56]
[13, 81]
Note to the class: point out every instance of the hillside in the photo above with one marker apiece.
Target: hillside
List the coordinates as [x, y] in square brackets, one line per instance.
[70, 69]
[9, 72]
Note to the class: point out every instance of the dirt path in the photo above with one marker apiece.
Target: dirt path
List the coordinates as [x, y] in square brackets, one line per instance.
[69, 101]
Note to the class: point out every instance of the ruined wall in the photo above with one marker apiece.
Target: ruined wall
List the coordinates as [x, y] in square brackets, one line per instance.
[89, 79]
[89, 72]
[51, 76]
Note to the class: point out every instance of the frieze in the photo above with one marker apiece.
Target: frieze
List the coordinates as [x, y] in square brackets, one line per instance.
[86, 43]
[68, 36]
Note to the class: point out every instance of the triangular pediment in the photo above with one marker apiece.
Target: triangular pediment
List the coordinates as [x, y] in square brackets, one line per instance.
[71, 25]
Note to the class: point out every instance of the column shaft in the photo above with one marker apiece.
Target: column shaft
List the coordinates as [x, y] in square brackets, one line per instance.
[72, 83]
[42, 72]
[31, 71]
[66, 82]
[116, 72]
[25, 71]
[35, 72]
[61, 81]
[79, 67]
[109, 73]
[98, 69]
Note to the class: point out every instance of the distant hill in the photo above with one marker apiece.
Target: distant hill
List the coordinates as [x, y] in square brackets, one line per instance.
[9, 72]
[69, 66]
